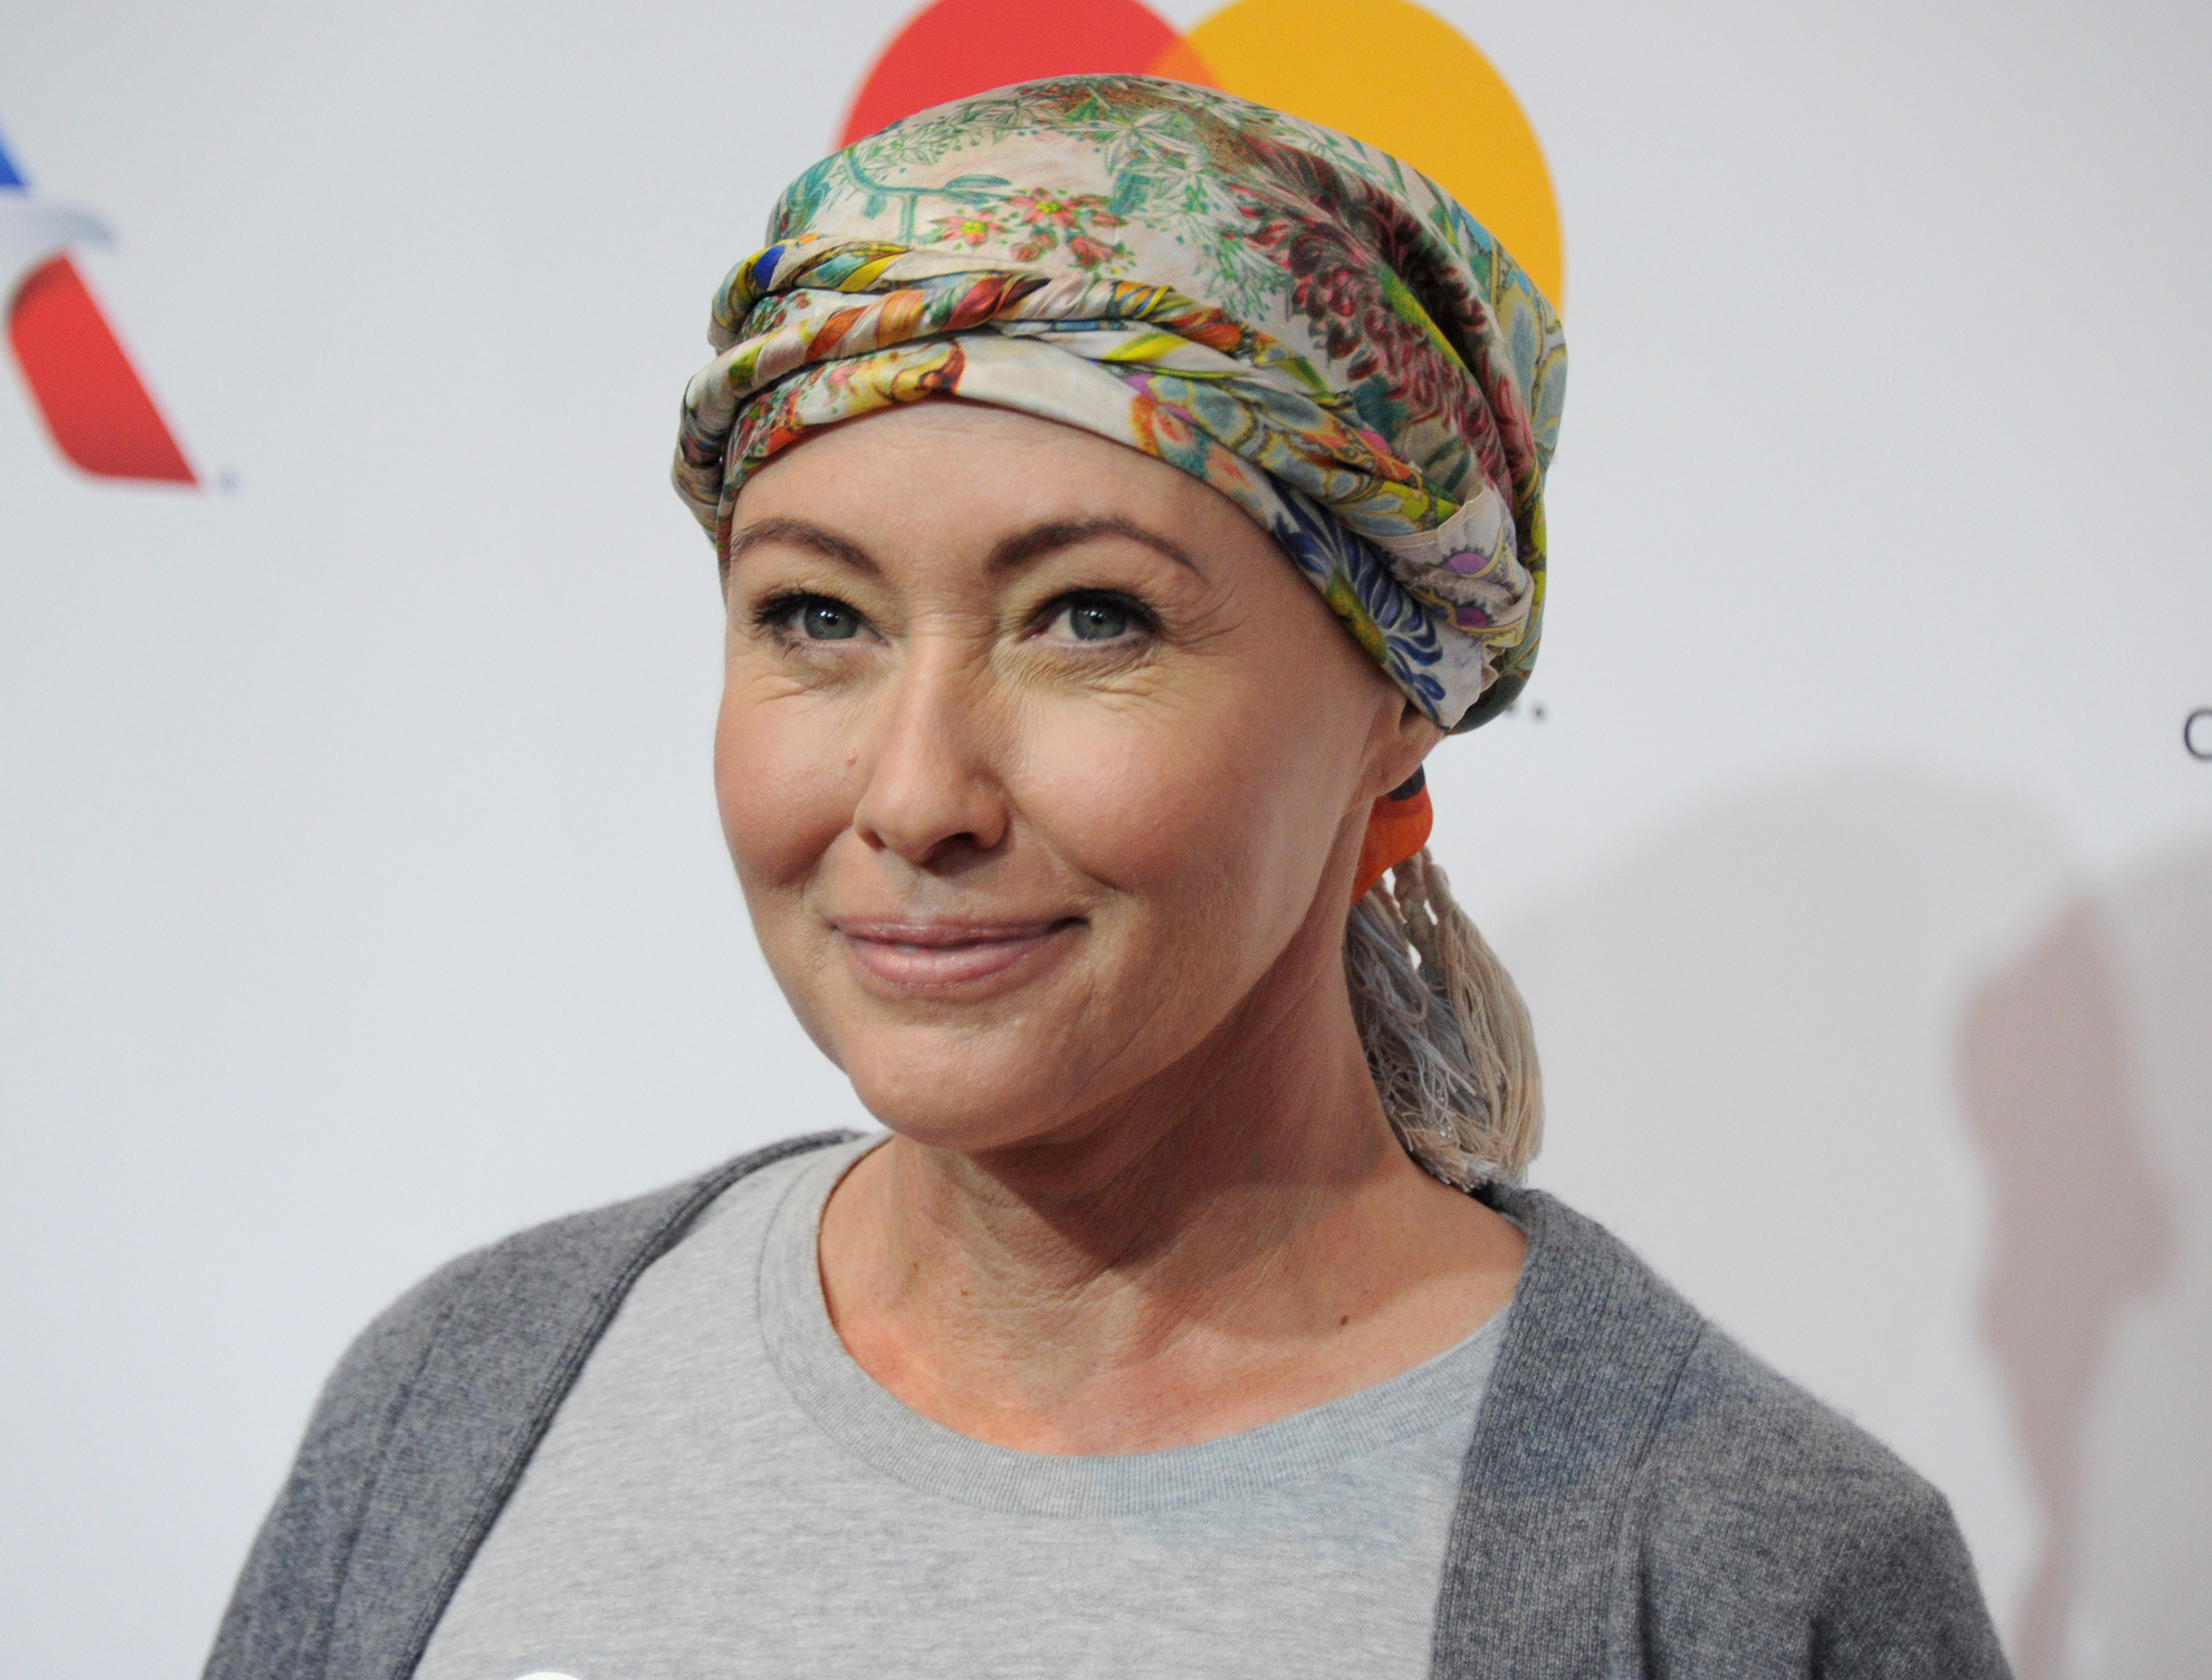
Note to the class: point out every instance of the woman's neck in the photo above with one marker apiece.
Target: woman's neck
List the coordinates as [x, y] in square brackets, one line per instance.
[1237, 1240]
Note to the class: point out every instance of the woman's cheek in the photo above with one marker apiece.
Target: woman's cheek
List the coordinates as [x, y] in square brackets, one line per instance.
[1148, 807]
[1215, 816]
[784, 782]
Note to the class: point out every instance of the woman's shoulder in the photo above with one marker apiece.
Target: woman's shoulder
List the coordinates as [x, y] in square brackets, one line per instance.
[564, 1268]
[1617, 1339]
[1735, 1424]
[1761, 1498]
[426, 1423]
[1754, 1525]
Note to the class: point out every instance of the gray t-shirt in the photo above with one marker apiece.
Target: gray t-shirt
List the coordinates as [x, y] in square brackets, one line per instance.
[726, 1493]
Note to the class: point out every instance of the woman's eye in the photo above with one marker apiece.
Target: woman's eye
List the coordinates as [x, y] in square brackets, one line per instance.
[1097, 618]
[821, 619]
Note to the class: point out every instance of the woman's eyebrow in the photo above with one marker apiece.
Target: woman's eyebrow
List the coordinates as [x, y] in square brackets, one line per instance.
[799, 534]
[1041, 539]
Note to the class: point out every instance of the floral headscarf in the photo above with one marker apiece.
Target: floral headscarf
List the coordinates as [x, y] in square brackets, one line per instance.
[1308, 326]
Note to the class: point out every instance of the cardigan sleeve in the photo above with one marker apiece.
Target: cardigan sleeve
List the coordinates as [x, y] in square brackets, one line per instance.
[1776, 1537]
[1903, 1599]
[279, 1619]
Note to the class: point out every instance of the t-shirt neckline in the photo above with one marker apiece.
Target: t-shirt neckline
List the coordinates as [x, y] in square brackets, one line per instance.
[870, 1423]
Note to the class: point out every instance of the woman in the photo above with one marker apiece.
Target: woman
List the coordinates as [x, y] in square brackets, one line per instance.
[1190, 1319]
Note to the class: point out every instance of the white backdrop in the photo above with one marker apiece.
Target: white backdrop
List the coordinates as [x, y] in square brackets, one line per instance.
[360, 896]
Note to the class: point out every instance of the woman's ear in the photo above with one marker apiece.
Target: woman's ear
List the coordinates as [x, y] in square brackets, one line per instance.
[1404, 738]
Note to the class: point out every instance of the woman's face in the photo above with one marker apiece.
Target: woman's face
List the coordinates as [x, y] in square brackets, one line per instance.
[1035, 756]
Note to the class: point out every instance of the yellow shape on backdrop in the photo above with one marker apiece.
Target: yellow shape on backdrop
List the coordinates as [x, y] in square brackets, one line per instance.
[1399, 77]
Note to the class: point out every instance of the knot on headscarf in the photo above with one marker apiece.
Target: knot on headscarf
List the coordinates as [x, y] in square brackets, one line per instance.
[1298, 320]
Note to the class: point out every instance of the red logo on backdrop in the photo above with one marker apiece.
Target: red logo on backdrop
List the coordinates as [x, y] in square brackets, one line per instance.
[958, 48]
[81, 380]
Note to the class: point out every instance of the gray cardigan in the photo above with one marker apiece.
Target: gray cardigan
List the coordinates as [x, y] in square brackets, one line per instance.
[1641, 1497]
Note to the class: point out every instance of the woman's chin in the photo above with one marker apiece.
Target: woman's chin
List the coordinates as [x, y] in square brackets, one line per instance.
[953, 1104]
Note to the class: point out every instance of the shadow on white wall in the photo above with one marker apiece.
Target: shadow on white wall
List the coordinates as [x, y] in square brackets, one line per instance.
[2083, 1226]
[2132, 1543]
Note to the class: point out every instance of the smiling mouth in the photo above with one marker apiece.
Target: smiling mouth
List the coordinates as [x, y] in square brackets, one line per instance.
[940, 956]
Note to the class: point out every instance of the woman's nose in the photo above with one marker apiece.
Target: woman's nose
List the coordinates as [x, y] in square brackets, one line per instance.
[932, 792]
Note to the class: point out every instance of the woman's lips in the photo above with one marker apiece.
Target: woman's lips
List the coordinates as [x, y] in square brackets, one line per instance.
[935, 956]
